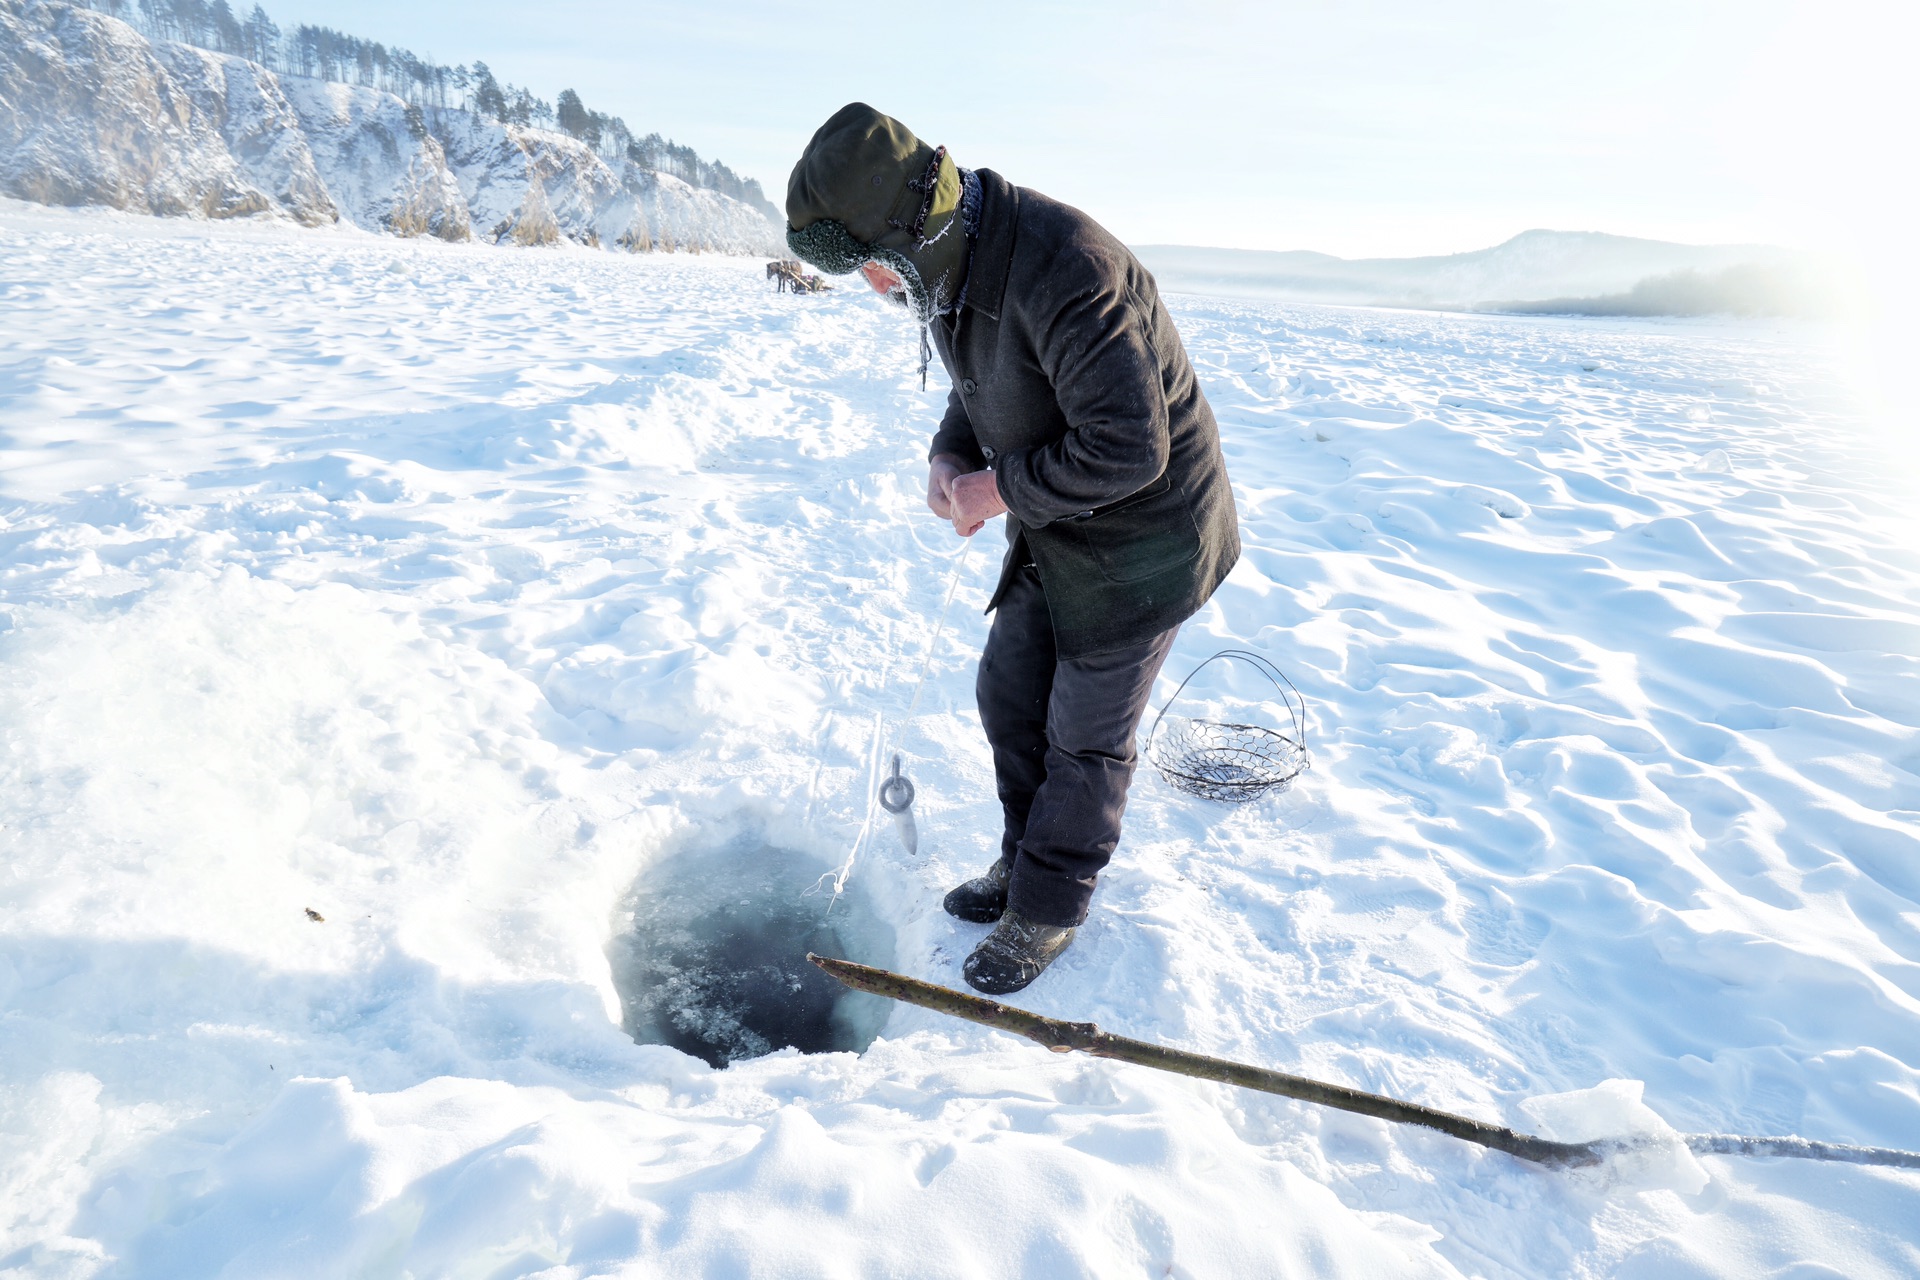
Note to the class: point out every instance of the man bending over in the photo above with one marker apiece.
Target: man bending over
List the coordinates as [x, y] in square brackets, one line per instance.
[1075, 413]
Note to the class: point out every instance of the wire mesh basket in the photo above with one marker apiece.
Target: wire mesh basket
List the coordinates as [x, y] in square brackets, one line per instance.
[1231, 762]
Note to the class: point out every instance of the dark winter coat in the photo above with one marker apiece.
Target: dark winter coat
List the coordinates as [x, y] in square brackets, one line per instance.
[1070, 381]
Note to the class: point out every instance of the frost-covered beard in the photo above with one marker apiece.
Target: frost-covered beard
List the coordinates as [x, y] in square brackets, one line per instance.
[923, 302]
[912, 294]
[943, 294]
[830, 247]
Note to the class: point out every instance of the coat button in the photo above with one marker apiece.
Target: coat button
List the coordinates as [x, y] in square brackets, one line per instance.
[969, 386]
[987, 450]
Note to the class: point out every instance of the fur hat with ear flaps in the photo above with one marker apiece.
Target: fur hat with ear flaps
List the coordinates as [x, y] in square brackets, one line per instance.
[867, 190]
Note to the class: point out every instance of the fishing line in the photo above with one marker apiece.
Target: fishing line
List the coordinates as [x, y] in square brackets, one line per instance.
[840, 875]
[844, 872]
[939, 626]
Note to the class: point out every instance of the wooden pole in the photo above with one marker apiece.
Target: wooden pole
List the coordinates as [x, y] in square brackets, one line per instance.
[1067, 1037]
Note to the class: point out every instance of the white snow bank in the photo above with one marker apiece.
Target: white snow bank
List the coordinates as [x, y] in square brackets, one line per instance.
[446, 592]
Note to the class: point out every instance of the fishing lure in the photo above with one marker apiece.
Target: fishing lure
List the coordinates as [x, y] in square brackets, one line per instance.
[896, 797]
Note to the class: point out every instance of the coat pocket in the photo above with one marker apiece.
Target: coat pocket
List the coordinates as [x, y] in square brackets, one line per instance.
[1141, 536]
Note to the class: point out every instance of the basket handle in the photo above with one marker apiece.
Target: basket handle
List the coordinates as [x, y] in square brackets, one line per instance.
[1267, 669]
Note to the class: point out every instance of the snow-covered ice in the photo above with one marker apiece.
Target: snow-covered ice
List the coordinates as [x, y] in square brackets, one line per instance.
[445, 591]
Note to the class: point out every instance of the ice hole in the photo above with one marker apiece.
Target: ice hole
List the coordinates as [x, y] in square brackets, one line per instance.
[714, 961]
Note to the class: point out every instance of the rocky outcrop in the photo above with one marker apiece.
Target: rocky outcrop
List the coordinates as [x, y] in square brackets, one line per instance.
[525, 186]
[533, 186]
[264, 135]
[671, 214]
[383, 168]
[91, 112]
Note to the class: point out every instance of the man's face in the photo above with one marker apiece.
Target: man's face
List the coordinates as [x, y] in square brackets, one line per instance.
[885, 282]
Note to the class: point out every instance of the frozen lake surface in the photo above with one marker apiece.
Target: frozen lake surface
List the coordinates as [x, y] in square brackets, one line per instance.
[442, 592]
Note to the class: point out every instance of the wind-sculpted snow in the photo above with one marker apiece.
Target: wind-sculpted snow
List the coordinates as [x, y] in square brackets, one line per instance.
[95, 114]
[451, 594]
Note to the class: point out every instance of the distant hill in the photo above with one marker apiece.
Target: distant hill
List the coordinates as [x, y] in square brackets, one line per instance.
[1574, 272]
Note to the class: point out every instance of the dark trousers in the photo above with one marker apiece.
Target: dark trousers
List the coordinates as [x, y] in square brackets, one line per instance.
[1062, 737]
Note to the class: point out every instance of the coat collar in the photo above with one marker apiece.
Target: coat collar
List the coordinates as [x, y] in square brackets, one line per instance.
[993, 251]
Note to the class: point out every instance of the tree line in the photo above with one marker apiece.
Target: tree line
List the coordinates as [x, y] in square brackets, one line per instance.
[325, 54]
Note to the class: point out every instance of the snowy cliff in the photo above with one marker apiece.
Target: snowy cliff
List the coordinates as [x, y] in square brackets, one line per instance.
[92, 112]
[534, 186]
[383, 167]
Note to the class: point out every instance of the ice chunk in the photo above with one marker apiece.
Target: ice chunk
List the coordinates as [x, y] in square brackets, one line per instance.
[1650, 1155]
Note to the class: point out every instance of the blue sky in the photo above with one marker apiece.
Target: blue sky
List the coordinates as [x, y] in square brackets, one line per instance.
[1362, 128]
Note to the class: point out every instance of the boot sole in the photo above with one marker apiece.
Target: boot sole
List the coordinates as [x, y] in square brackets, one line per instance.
[999, 988]
[975, 915]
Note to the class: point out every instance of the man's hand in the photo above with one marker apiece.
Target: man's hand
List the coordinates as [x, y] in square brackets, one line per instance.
[974, 499]
[941, 473]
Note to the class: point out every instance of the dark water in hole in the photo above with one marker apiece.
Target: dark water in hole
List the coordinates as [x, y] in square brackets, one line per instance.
[715, 961]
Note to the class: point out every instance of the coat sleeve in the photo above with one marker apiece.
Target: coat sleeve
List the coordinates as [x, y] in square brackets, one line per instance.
[955, 435]
[1092, 338]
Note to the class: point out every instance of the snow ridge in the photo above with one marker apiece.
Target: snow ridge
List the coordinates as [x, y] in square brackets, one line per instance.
[93, 113]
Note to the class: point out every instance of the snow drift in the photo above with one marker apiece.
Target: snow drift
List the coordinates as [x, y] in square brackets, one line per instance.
[96, 114]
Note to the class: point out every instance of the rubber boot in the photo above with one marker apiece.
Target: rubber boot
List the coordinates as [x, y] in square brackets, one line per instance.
[982, 899]
[1015, 953]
